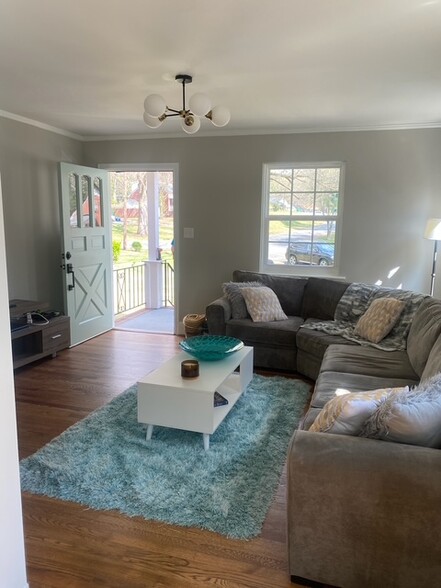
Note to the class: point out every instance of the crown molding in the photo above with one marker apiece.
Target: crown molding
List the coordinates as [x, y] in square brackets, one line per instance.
[40, 125]
[249, 132]
[219, 133]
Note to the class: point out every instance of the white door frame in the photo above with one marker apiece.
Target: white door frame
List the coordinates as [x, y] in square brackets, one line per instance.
[152, 167]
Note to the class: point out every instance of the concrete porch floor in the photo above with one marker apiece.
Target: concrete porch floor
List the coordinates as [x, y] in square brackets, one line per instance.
[161, 320]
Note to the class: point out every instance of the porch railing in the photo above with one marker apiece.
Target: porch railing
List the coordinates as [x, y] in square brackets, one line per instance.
[129, 287]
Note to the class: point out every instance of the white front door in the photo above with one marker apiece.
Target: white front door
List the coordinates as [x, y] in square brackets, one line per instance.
[86, 250]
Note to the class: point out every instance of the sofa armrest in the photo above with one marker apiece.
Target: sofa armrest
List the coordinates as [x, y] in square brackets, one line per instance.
[218, 313]
[362, 512]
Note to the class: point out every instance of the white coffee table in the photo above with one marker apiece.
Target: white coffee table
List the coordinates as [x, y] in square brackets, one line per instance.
[168, 400]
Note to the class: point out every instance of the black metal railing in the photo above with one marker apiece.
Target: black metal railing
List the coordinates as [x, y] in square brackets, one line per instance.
[129, 287]
[169, 284]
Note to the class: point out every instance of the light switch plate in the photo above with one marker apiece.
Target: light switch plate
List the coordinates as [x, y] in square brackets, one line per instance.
[188, 233]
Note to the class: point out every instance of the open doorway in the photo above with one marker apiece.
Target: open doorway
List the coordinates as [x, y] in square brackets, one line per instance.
[143, 237]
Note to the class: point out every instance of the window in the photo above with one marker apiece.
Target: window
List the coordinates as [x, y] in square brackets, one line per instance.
[85, 210]
[301, 210]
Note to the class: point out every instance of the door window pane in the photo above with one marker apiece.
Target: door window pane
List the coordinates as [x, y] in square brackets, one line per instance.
[86, 219]
[74, 199]
[98, 202]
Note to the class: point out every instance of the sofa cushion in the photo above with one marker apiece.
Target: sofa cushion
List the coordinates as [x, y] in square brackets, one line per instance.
[424, 331]
[263, 305]
[346, 413]
[317, 342]
[433, 365]
[368, 361]
[309, 418]
[289, 289]
[279, 333]
[321, 297]
[411, 416]
[328, 382]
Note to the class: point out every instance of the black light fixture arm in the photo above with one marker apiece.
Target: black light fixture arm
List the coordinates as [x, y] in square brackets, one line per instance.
[183, 79]
[156, 109]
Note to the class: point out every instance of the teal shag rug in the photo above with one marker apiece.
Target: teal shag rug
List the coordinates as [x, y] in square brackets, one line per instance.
[104, 462]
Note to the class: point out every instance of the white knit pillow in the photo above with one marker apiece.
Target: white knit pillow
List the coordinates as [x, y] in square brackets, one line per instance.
[263, 304]
[346, 413]
[412, 416]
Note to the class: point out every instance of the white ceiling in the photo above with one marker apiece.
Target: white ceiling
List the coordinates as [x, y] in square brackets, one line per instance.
[279, 65]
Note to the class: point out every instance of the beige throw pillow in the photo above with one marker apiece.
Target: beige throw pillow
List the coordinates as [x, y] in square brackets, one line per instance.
[379, 319]
[263, 304]
[346, 414]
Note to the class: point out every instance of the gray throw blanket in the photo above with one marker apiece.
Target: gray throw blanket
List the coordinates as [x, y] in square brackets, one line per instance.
[354, 303]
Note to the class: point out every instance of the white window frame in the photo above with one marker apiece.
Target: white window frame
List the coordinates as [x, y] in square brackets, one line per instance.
[305, 270]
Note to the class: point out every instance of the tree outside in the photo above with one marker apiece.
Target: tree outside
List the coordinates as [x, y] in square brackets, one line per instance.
[129, 193]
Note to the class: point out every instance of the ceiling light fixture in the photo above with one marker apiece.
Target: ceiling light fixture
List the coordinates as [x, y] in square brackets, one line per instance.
[156, 110]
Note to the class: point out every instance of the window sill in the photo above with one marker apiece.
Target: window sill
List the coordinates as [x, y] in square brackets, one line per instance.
[302, 271]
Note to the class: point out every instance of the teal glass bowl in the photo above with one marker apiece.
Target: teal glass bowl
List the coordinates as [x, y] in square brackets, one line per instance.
[211, 347]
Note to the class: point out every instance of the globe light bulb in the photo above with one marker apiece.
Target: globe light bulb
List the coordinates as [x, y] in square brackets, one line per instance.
[152, 121]
[220, 116]
[200, 104]
[155, 105]
[191, 124]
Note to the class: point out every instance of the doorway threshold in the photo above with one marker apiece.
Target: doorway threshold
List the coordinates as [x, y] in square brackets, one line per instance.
[160, 320]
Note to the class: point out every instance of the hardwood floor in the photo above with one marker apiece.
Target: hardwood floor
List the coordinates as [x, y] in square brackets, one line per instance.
[70, 546]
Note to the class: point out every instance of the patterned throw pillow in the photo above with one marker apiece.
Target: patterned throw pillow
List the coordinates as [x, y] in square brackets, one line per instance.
[233, 291]
[379, 319]
[346, 413]
[263, 304]
[412, 416]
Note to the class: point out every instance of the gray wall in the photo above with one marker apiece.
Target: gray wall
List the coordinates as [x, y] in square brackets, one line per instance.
[393, 179]
[29, 159]
[392, 186]
[12, 553]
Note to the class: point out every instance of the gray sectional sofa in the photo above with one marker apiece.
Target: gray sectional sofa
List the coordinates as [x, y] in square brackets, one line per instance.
[362, 512]
[280, 345]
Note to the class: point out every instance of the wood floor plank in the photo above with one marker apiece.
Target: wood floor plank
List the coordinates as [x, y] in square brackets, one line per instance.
[71, 546]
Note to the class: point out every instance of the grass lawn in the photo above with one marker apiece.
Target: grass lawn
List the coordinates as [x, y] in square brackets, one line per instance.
[130, 256]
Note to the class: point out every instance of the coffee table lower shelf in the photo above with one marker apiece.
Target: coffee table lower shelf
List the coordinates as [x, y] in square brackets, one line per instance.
[168, 400]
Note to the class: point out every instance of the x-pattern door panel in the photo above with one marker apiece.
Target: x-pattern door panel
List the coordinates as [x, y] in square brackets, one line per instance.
[91, 295]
